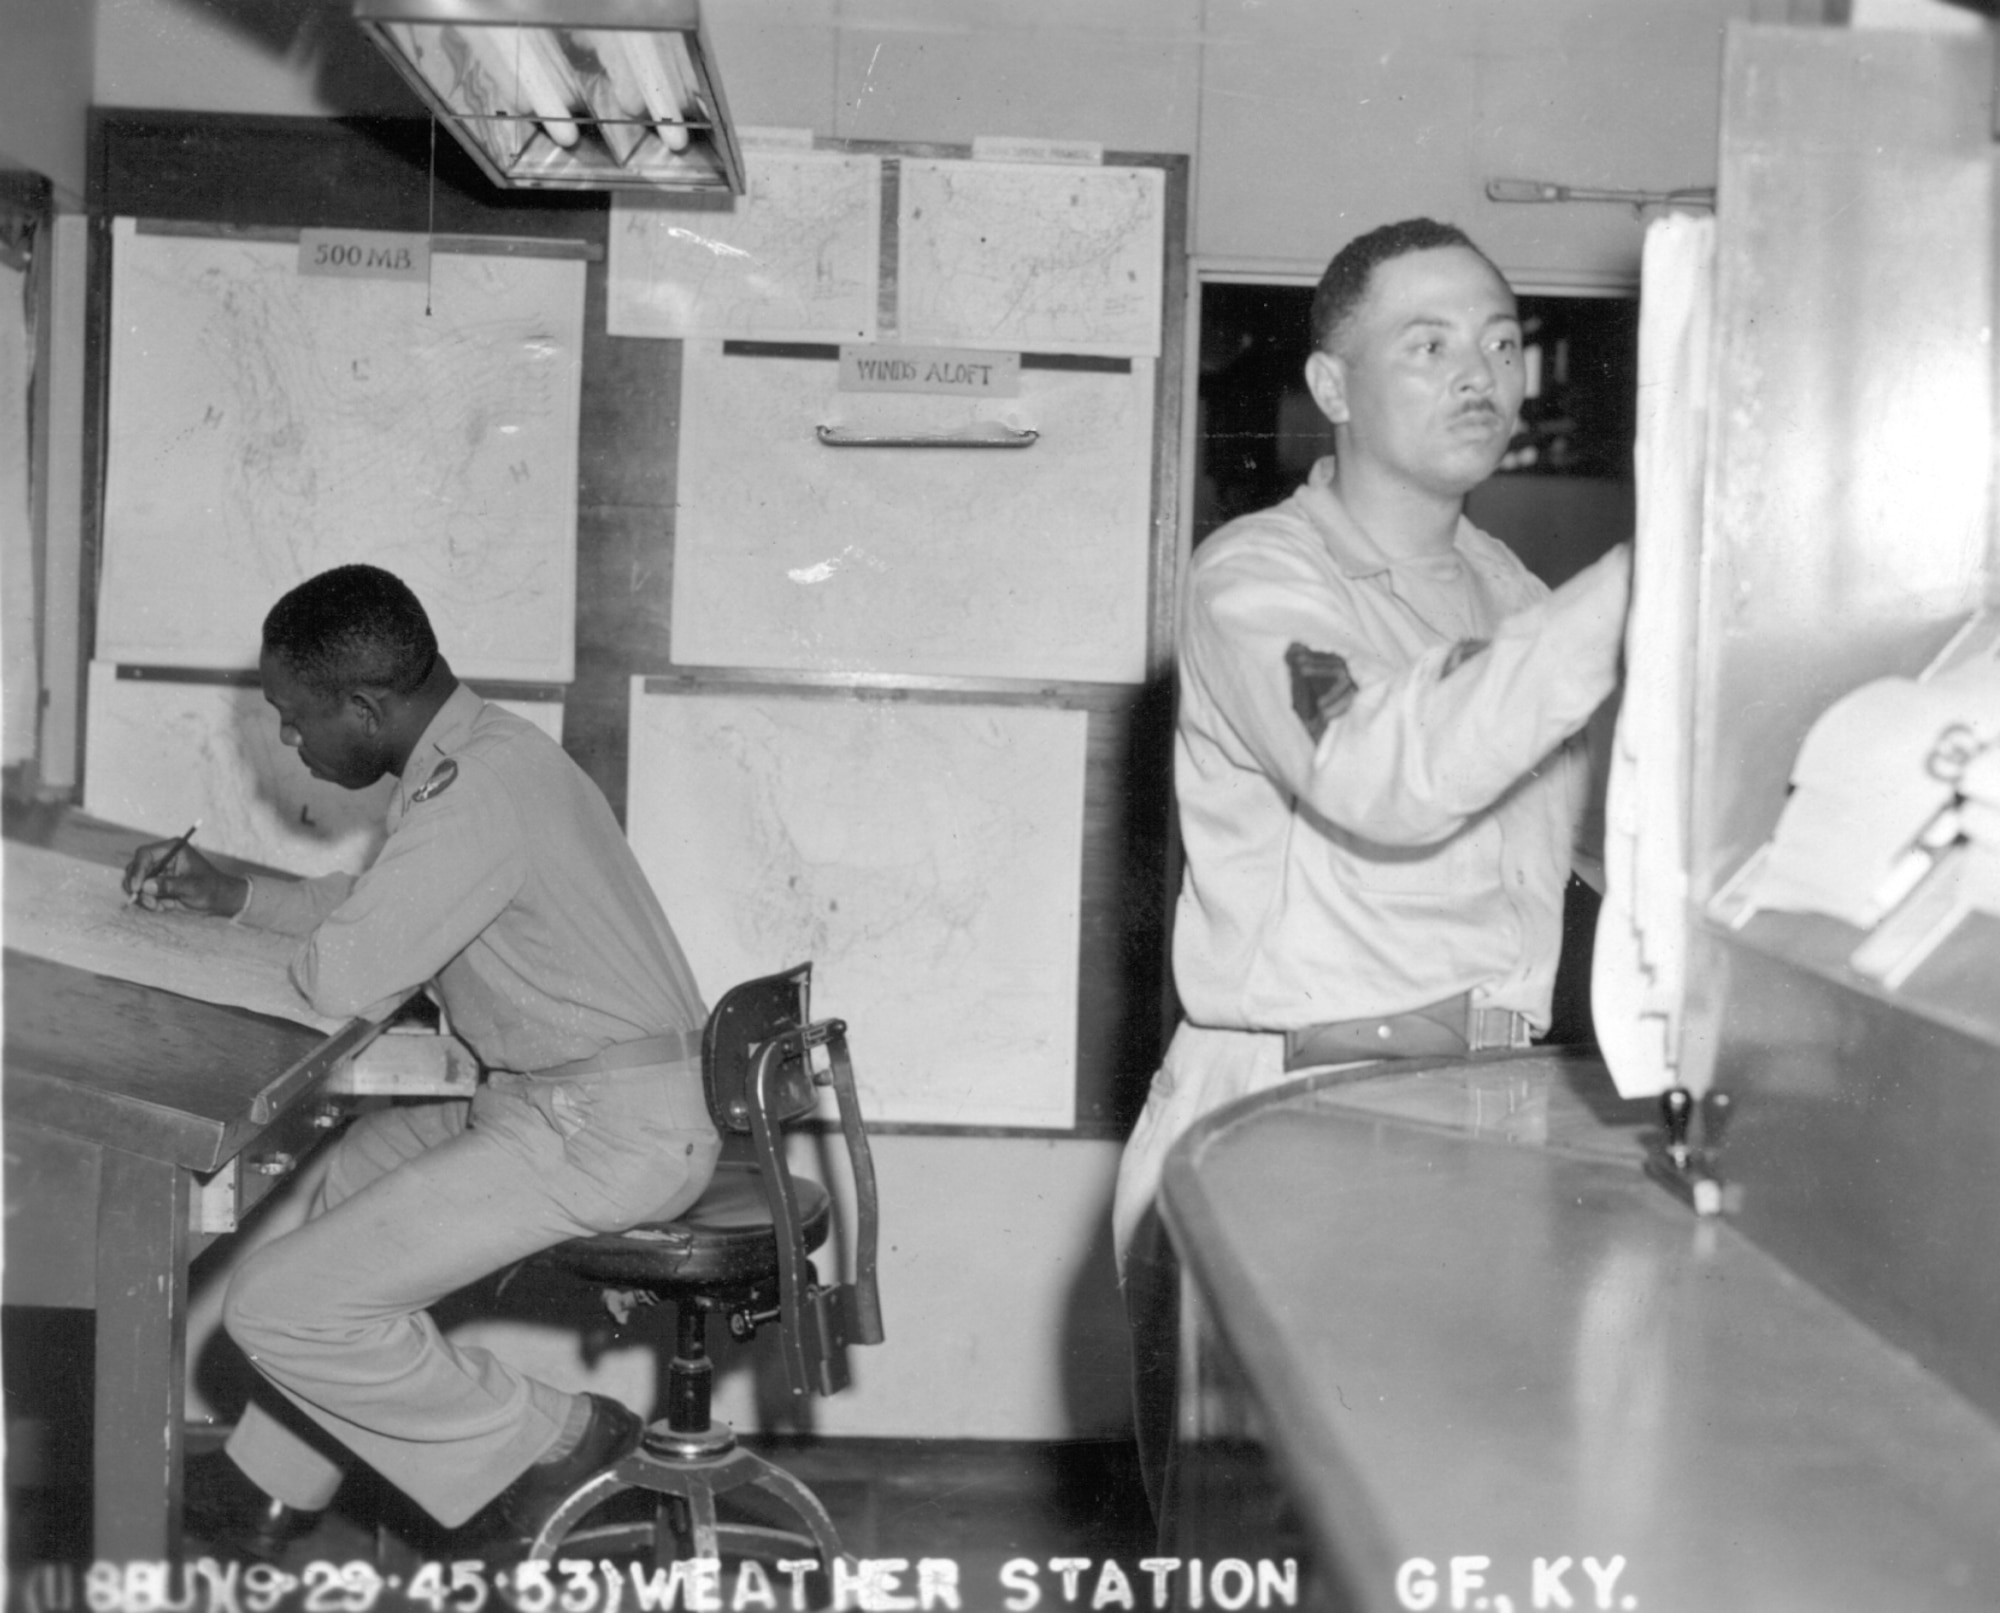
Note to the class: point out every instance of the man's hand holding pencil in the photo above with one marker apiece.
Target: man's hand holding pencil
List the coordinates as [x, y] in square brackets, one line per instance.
[171, 873]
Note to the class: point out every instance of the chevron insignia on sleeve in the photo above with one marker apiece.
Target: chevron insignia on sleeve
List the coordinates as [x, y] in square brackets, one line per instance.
[1322, 687]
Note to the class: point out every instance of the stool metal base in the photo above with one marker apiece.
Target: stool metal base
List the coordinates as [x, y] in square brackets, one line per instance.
[667, 1466]
[672, 1444]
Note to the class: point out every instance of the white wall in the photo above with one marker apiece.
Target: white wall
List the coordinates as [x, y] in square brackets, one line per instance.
[302, 60]
[1322, 119]
[45, 90]
[1310, 119]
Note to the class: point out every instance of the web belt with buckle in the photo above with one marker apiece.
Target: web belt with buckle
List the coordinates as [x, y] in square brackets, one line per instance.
[1449, 1029]
[669, 1047]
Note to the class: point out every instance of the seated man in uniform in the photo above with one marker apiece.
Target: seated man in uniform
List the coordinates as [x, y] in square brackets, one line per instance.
[1376, 761]
[507, 886]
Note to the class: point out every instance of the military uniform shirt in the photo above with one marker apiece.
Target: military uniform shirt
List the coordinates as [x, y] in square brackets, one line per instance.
[506, 880]
[1419, 848]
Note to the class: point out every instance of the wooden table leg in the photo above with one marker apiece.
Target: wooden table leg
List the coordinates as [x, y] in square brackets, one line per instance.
[142, 1276]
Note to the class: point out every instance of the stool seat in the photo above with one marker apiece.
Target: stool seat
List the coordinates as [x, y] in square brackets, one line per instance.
[726, 1236]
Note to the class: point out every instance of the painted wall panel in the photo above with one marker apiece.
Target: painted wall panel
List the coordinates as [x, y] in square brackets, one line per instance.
[303, 60]
[1131, 90]
[1311, 120]
[1319, 121]
[45, 88]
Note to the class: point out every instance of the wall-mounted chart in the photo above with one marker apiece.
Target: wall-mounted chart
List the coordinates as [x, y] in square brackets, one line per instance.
[923, 857]
[264, 425]
[1028, 563]
[794, 259]
[1036, 258]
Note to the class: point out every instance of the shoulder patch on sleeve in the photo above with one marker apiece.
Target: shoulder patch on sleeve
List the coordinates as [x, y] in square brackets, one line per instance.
[1322, 687]
[439, 781]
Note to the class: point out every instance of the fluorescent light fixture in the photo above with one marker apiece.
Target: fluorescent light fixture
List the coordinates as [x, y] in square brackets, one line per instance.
[568, 94]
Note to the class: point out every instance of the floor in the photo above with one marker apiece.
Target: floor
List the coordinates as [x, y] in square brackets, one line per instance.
[978, 1504]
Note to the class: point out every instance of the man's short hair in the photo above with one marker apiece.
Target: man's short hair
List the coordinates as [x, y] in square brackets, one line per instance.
[1345, 282]
[354, 627]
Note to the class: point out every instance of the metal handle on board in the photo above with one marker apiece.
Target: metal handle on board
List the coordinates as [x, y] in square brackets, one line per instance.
[980, 436]
[1542, 190]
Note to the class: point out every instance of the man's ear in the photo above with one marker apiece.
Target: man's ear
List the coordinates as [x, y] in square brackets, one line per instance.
[368, 710]
[1326, 380]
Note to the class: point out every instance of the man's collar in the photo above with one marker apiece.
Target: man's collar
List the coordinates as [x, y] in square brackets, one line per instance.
[1353, 550]
[444, 733]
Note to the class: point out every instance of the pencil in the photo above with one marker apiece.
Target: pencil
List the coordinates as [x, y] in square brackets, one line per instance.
[165, 862]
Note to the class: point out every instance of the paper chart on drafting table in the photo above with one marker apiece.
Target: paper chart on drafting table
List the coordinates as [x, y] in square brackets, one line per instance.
[73, 912]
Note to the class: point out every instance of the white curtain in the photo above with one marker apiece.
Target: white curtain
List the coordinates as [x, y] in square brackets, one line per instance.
[1638, 974]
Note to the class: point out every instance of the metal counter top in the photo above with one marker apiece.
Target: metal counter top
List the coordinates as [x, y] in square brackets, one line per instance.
[1477, 1329]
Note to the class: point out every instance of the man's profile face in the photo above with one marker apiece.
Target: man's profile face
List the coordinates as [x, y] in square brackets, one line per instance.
[1427, 374]
[330, 732]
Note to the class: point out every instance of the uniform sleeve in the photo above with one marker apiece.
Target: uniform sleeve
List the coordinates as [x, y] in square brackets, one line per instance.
[294, 906]
[1419, 749]
[1589, 756]
[448, 870]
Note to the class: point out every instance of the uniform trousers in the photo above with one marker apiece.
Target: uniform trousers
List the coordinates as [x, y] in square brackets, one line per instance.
[416, 1202]
[1204, 1069]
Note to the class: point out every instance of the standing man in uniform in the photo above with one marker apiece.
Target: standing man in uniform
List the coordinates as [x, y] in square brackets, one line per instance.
[507, 886]
[1376, 760]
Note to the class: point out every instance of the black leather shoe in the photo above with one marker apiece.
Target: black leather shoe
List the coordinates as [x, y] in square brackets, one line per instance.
[518, 1513]
[224, 1510]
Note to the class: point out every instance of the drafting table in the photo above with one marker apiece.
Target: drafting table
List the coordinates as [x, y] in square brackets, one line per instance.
[1465, 1323]
[120, 1101]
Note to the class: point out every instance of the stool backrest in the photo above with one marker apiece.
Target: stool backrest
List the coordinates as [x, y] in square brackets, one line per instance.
[763, 1060]
[748, 1016]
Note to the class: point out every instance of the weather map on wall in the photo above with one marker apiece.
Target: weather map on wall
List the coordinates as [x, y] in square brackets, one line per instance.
[795, 259]
[924, 858]
[1080, 272]
[265, 425]
[1021, 565]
